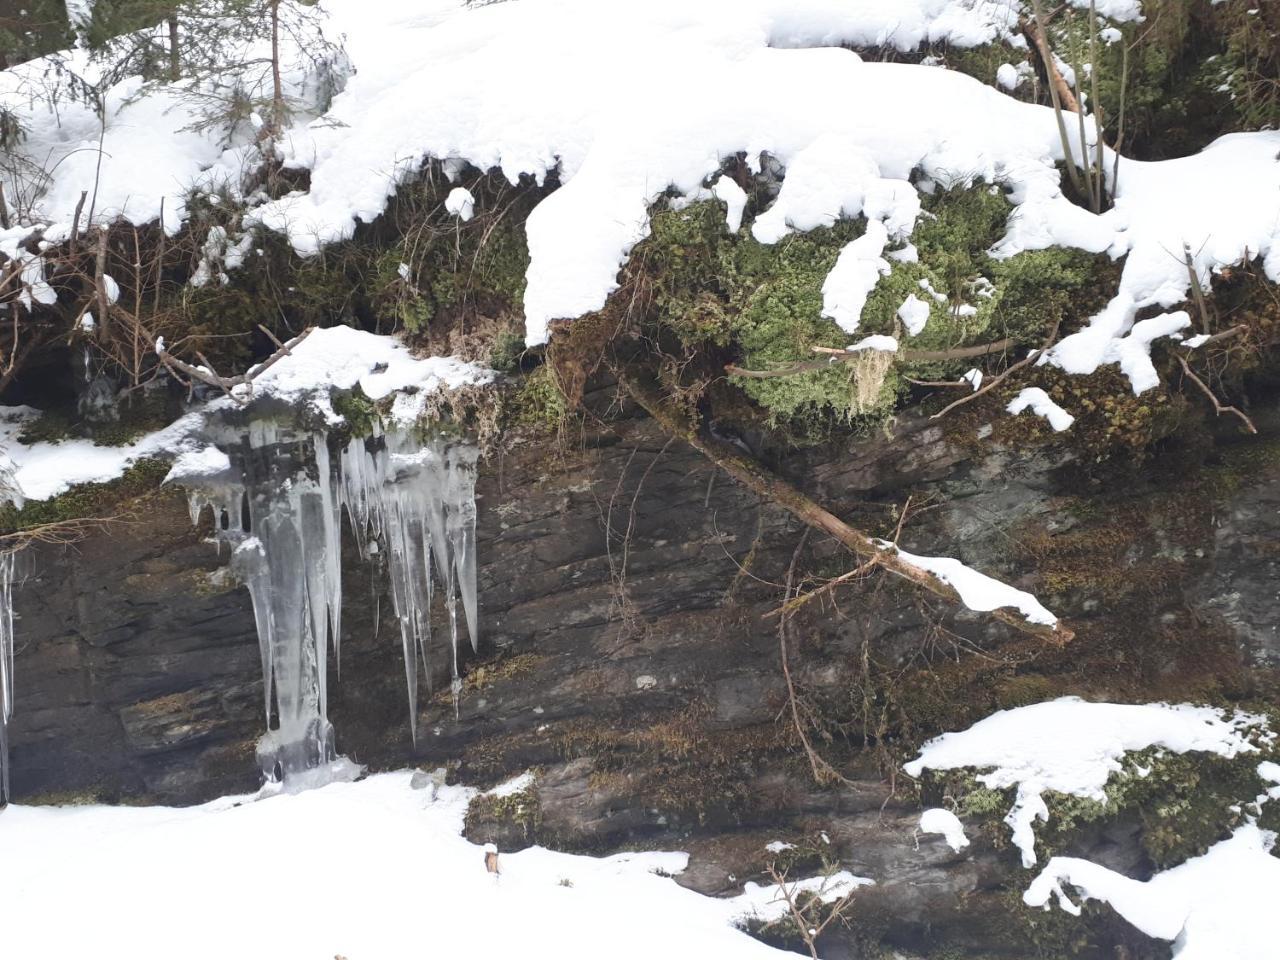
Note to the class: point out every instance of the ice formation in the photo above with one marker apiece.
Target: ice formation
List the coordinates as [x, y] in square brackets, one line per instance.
[279, 506]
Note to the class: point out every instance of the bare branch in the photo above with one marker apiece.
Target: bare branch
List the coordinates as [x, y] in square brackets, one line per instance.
[1218, 407]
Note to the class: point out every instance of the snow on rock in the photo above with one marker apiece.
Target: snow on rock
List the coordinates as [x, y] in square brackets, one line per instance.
[977, 590]
[1219, 906]
[1073, 746]
[1007, 76]
[201, 462]
[734, 198]
[334, 358]
[1040, 403]
[914, 314]
[341, 358]
[378, 834]
[510, 788]
[947, 824]
[460, 203]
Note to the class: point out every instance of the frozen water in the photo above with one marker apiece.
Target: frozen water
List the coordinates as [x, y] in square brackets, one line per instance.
[411, 504]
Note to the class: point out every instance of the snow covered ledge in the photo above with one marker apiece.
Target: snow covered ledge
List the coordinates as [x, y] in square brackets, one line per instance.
[1073, 746]
[330, 359]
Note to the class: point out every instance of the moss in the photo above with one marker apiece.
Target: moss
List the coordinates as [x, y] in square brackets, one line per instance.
[1183, 804]
[482, 676]
[87, 500]
[538, 403]
[517, 815]
[360, 414]
[508, 348]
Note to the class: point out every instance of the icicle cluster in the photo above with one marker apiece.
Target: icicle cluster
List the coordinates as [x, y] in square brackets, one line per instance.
[280, 510]
[6, 668]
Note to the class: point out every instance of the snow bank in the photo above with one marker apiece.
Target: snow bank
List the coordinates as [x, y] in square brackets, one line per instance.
[444, 81]
[338, 358]
[1072, 746]
[1220, 906]
[385, 856]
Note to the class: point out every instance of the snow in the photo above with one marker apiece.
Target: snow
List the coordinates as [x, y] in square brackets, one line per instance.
[914, 314]
[946, 823]
[1041, 404]
[734, 198]
[1007, 76]
[511, 787]
[332, 358]
[1219, 906]
[391, 853]
[1073, 746]
[460, 203]
[977, 590]
[857, 271]
[458, 67]
[877, 341]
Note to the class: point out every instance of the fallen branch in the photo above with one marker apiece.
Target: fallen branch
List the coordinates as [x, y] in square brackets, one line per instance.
[1033, 28]
[207, 375]
[773, 488]
[836, 355]
[1218, 407]
[995, 381]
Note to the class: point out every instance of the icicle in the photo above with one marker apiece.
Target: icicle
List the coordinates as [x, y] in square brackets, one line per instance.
[6, 669]
[411, 504]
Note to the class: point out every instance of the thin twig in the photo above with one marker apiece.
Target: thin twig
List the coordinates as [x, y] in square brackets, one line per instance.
[1218, 407]
[997, 380]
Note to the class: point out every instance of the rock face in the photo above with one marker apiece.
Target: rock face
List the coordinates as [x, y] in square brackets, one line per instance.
[626, 654]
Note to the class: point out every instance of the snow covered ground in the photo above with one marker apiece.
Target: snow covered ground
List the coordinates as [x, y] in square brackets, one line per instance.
[378, 870]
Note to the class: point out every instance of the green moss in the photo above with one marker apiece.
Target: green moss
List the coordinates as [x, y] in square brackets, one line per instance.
[52, 426]
[538, 402]
[87, 500]
[518, 814]
[1182, 802]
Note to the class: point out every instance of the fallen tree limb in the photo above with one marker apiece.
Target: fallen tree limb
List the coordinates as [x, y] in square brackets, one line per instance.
[207, 375]
[836, 355]
[773, 488]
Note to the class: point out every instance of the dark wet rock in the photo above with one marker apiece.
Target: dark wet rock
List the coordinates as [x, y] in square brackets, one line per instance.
[641, 679]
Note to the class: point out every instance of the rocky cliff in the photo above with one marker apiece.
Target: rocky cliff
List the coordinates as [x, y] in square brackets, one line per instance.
[628, 657]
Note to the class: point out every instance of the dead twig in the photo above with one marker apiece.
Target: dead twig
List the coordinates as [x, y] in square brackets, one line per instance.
[805, 917]
[207, 375]
[1218, 407]
[837, 355]
[994, 382]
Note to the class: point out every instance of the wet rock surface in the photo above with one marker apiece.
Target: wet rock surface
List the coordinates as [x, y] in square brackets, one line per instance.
[626, 655]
